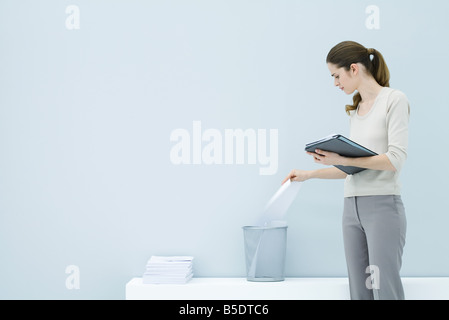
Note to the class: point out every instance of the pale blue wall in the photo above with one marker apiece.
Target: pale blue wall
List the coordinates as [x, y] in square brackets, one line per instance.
[86, 117]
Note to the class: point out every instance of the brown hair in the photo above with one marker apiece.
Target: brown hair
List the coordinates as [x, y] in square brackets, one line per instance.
[348, 52]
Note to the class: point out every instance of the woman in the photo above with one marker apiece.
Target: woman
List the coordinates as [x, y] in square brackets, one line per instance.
[374, 222]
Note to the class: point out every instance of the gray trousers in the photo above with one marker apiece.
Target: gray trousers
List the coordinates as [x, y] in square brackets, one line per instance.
[374, 229]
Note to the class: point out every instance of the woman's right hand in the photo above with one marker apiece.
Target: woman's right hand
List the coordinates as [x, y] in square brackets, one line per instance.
[297, 175]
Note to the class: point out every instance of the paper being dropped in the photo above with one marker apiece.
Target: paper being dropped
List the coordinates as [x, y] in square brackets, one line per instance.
[276, 208]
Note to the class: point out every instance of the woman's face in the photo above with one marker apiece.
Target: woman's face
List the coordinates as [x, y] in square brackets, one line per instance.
[344, 79]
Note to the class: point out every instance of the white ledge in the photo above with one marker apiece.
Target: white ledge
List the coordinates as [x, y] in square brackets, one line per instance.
[419, 288]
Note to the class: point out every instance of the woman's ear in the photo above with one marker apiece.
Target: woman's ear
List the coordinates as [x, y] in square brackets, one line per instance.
[354, 69]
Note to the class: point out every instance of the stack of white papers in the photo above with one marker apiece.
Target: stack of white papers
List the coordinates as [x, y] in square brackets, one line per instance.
[168, 269]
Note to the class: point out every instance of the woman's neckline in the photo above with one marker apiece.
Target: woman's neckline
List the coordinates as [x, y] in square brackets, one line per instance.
[372, 107]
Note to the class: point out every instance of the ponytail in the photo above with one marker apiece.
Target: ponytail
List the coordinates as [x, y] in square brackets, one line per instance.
[379, 68]
[348, 52]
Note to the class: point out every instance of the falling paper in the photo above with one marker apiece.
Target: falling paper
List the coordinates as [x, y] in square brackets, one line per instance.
[279, 203]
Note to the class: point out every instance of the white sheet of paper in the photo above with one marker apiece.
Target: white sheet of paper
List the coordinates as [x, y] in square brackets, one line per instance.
[279, 203]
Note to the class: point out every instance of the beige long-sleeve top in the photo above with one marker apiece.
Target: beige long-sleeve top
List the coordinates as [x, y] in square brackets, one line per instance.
[384, 130]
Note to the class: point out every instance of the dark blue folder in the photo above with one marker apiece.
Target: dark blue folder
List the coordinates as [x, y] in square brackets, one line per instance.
[344, 147]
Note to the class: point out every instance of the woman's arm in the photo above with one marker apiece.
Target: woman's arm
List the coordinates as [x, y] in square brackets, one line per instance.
[326, 173]
[379, 162]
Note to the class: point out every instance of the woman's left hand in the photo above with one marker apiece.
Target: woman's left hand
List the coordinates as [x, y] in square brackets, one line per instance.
[327, 158]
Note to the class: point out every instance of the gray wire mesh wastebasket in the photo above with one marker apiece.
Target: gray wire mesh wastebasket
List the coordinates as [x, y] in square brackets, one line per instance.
[265, 249]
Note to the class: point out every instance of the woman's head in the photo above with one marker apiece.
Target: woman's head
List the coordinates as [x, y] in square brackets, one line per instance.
[352, 57]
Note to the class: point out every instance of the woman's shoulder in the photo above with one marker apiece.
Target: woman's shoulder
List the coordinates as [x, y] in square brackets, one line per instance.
[395, 94]
[397, 100]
